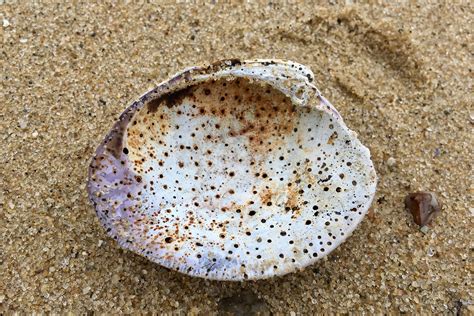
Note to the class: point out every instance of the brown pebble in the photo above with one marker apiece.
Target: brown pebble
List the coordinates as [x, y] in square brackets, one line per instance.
[423, 206]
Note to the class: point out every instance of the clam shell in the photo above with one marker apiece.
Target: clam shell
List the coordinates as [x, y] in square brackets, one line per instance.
[238, 170]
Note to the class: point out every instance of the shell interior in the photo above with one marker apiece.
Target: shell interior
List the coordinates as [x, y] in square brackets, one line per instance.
[237, 171]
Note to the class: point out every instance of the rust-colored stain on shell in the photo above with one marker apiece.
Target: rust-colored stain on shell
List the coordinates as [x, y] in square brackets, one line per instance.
[170, 99]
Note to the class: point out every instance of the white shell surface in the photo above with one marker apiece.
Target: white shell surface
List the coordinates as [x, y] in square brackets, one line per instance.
[240, 170]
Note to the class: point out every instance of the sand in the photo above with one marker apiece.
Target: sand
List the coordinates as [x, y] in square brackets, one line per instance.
[400, 75]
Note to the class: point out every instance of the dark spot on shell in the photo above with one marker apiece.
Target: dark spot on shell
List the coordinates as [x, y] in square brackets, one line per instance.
[171, 99]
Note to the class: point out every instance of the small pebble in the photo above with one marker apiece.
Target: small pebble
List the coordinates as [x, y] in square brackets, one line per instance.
[115, 279]
[423, 206]
[23, 40]
[22, 123]
[6, 23]
[44, 288]
[424, 229]
[34, 134]
[391, 162]
[86, 290]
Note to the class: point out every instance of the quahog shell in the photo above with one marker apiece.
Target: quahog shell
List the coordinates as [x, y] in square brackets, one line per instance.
[238, 170]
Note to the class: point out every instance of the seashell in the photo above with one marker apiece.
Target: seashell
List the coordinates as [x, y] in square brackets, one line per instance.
[238, 170]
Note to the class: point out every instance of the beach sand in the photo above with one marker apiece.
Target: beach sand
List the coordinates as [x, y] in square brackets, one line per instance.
[400, 75]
